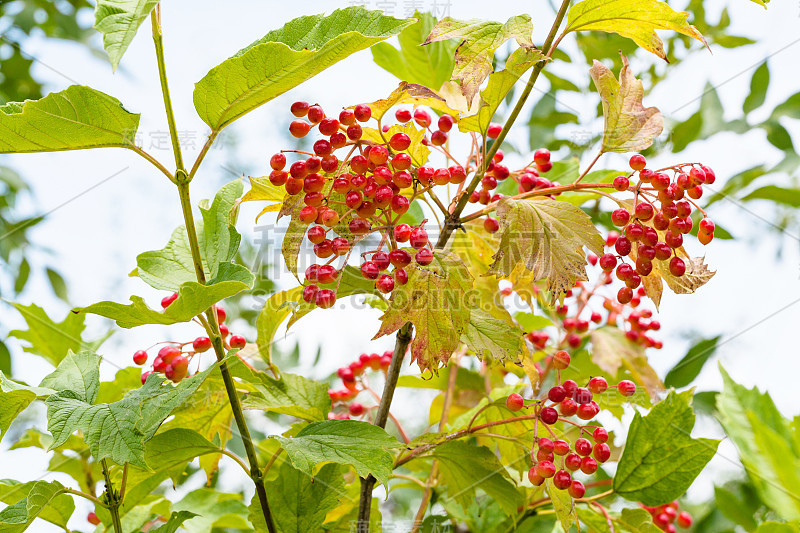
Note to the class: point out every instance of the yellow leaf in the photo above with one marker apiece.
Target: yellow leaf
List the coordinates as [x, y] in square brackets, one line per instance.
[412, 93]
[629, 126]
[634, 19]
[262, 190]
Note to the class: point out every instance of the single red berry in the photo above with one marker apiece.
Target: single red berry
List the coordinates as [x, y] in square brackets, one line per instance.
[424, 256]
[140, 357]
[167, 300]
[399, 258]
[402, 115]
[684, 520]
[168, 353]
[401, 276]
[494, 131]
[568, 407]
[583, 447]
[638, 162]
[549, 415]
[556, 394]
[201, 344]
[587, 411]
[602, 452]
[600, 435]
[561, 447]
[418, 238]
[515, 402]
[92, 518]
[356, 409]
[310, 292]
[400, 142]
[177, 369]
[491, 225]
[546, 469]
[576, 489]
[598, 385]
[562, 480]
[422, 117]
[541, 156]
[588, 465]
[325, 298]
[621, 183]
[385, 283]
[237, 342]
[677, 267]
[626, 388]
[572, 461]
[561, 360]
[315, 114]
[299, 109]
[299, 128]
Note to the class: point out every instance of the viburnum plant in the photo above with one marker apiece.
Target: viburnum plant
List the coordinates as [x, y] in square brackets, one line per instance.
[479, 267]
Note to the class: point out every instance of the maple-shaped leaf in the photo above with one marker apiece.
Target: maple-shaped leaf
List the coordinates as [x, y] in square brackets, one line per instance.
[629, 126]
[492, 338]
[436, 301]
[479, 40]
[634, 19]
[697, 274]
[261, 190]
[611, 349]
[547, 238]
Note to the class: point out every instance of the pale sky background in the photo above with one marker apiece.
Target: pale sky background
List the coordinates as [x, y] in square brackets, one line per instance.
[96, 226]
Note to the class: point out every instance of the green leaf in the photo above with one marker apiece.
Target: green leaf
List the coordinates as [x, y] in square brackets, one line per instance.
[76, 118]
[175, 447]
[493, 338]
[173, 265]
[5, 358]
[119, 430]
[350, 442]
[774, 193]
[547, 237]
[290, 395]
[193, 299]
[57, 283]
[118, 21]
[176, 519]
[466, 467]
[648, 470]
[500, 83]
[776, 527]
[276, 309]
[285, 58]
[531, 322]
[637, 521]
[44, 500]
[766, 446]
[683, 373]
[299, 501]
[429, 65]
[434, 300]
[78, 374]
[479, 40]
[562, 505]
[14, 398]
[629, 126]
[741, 511]
[761, 2]
[216, 510]
[758, 89]
[635, 19]
[52, 340]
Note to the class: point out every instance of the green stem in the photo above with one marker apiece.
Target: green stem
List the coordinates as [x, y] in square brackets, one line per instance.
[453, 220]
[87, 496]
[155, 17]
[392, 375]
[113, 502]
[182, 181]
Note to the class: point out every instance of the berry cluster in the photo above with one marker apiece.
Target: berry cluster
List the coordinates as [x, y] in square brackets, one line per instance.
[173, 359]
[653, 228]
[666, 516]
[558, 458]
[367, 191]
[353, 379]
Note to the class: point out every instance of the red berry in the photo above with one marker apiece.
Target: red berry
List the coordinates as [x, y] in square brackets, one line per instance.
[561, 360]
[237, 341]
[92, 518]
[402, 115]
[494, 131]
[597, 385]
[601, 452]
[400, 142]
[576, 489]
[600, 435]
[491, 225]
[315, 114]
[515, 402]
[685, 520]
[385, 283]
[310, 292]
[588, 465]
[561, 447]
[562, 480]
[572, 461]
[325, 298]
[140, 357]
[541, 156]
[438, 138]
[556, 394]
[299, 109]
[621, 183]
[178, 369]
[167, 300]
[626, 388]
[549, 415]
[401, 161]
[422, 117]
[638, 162]
[677, 267]
[356, 409]
[424, 256]
[583, 447]
[534, 477]
[546, 469]
[582, 396]
[201, 344]
[299, 128]
[168, 353]
[418, 238]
